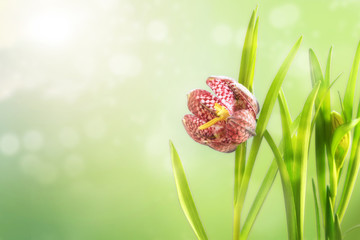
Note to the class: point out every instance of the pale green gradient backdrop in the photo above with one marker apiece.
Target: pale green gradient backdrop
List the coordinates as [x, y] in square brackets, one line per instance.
[91, 92]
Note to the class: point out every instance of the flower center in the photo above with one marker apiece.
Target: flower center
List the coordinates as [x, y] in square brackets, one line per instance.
[222, 114]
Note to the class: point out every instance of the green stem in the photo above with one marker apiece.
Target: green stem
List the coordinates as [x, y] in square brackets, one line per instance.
[259, 200]
[247, 174]
[291, 215]
[236, 227]
[240, 157]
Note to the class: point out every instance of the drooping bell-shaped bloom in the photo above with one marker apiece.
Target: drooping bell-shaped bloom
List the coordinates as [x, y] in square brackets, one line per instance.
[223, 121]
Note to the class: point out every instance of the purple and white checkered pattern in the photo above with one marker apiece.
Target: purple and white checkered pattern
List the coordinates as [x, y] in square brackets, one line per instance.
[225, 135]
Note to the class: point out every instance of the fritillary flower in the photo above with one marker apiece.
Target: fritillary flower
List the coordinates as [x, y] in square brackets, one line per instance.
[223, 121]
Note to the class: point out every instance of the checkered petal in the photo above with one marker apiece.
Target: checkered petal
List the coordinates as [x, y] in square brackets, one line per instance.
[214, 136]
[245, 99]
[201, 104]
[240, 126]
[223, 147]
[222, 90]
[213, 133]
[233, 93]
[225, 134]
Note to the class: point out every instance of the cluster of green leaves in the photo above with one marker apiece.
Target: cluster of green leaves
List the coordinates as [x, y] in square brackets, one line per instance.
[291, 158]
[291, 155]
[332, 142]
[243, 167]
[242, 171]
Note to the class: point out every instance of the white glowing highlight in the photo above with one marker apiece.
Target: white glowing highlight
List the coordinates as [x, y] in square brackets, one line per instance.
[51, 28]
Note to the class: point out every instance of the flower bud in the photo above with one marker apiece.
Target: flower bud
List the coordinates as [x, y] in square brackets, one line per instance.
[343, 147]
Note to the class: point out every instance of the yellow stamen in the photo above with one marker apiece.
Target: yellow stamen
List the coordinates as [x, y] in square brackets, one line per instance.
[222, 114]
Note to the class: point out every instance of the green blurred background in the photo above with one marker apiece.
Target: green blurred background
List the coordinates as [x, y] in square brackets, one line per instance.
[91, 92]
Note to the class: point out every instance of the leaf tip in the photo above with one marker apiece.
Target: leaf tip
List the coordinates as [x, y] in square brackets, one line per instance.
[311, 52]
[300, 38]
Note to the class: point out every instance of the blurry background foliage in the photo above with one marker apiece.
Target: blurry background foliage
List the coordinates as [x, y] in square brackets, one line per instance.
[91, 91]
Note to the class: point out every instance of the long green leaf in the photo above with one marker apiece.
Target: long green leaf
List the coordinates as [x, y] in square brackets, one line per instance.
[301, 155]
[246, 77]
[320, 140]
[287, 189]
[338, 235]
[320, 160]
[264, 189]
[317, 213]
[318, 108]
[352, 172]
[326, 109]
[285, 123]
[332, 226]
[350, 88]
[184, 194]
[315, 69]
[273, 92]
[264, 119]
[247, 64]
[259, 200]
[251, 72]
[351, 229]
[330, 221]
[326, 113]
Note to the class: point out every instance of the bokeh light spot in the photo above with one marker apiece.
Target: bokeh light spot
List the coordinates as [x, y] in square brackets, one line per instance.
[157, 31]
[68, 137]
[285, 15]
[9, 144]
[125, 65]
[222, 34]
[95, 128]
[33, 140]
[240, 37]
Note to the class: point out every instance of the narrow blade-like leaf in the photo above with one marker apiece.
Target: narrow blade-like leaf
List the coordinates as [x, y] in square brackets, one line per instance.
[274, 90]
[326, 85]
[350, 88]
[352, 172]
[248, 53]
[287, 189]
[317, 213]
[246, 77]
[330, 221]
[264, 119]
[332, 226]
[264, 189]
[184, 194]
[251, 71]
[320, 139]
[301, 155]
[315, 69]
[338, 235]
[286, 123]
